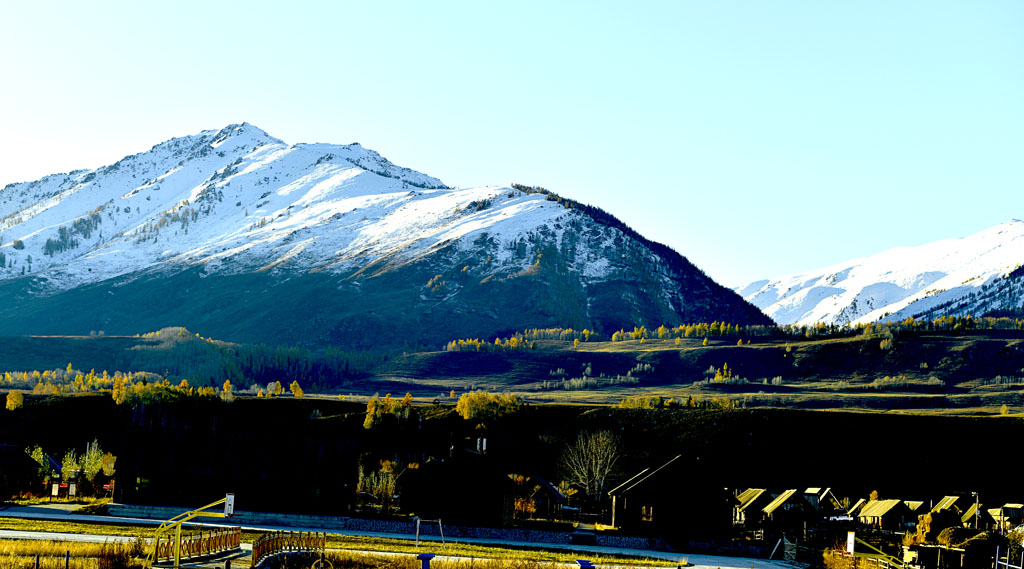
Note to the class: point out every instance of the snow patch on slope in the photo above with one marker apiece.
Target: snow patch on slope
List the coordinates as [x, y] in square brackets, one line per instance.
[238, 200]
[893, 284]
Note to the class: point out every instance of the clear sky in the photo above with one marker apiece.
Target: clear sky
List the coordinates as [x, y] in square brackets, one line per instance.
[756, 138]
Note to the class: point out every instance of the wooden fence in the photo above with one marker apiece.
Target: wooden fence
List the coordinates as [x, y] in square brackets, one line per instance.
[199, 544]
[285, 542]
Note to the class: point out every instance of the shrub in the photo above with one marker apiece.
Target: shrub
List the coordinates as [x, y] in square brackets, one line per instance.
[954, 536]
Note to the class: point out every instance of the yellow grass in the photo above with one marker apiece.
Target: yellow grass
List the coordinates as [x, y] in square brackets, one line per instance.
[352, 543]
[21, 553]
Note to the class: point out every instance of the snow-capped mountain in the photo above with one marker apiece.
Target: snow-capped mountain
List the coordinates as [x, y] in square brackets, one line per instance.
[237, 234]
[974, 275]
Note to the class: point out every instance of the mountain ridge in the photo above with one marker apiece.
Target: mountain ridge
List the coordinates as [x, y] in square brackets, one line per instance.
[914, 281]
[238, 205]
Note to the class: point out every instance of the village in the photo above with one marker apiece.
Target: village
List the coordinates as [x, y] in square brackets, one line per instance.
[805, 524]
[813, 526]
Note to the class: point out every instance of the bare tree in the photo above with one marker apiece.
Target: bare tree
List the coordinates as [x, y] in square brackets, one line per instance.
[589, 459]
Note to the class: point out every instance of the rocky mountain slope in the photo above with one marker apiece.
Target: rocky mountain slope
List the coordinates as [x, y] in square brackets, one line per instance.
[978, 275]
[235, 234]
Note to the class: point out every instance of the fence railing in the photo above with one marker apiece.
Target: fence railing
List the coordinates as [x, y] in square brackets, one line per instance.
[285, 542]
[198, 544]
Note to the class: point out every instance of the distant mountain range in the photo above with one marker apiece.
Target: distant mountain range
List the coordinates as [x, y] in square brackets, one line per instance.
[978, 275]
[237, 235]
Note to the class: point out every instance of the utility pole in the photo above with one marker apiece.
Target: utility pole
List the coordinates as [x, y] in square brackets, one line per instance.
[975, 509]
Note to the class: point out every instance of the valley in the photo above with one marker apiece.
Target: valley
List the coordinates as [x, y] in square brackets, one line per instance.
[979, 371]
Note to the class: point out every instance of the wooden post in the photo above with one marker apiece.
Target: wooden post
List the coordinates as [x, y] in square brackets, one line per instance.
[177, 547]
[67, 559]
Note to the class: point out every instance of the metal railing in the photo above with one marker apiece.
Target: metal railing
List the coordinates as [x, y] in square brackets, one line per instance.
[198, 544]
[286, 542]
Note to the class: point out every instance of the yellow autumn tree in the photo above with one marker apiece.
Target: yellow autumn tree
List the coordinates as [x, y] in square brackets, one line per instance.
[482, 405]
[296, 389]
[14, 400]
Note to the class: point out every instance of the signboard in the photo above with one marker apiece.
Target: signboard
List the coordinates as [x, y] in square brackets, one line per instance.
[108, 486]
[849, 542]
[56, 490]
[229, 505]
[71, 489]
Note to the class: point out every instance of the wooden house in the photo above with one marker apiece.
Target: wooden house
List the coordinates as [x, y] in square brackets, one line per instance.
[825, 502]
[787, 509]
[671, 502]
[1007, 516]
[748, 506]
[891, 515]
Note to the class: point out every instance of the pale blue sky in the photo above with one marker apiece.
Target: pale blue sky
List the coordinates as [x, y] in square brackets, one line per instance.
[756, 138]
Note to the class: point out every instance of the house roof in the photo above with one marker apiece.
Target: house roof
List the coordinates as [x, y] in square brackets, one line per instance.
[914, 505]
[747, 497]
[1006, 511]
[640, 478]
[551, 489]
[945, 503]
[857, 506]
[778, 501]
[827, 496]
[968, 517]
[878, 508]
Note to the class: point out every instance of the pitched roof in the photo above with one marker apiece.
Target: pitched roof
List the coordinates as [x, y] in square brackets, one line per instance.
[914, 505]
[778, 501]
[857, 506]
[827, 496]
[640, 478]
[551, 489]
[878, 508]
[747, 497]
[983, 515]
[945, 503]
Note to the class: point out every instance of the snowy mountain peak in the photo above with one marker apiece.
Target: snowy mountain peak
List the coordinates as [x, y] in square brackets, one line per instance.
[895, 284]
[210, 229]
[209, 183]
